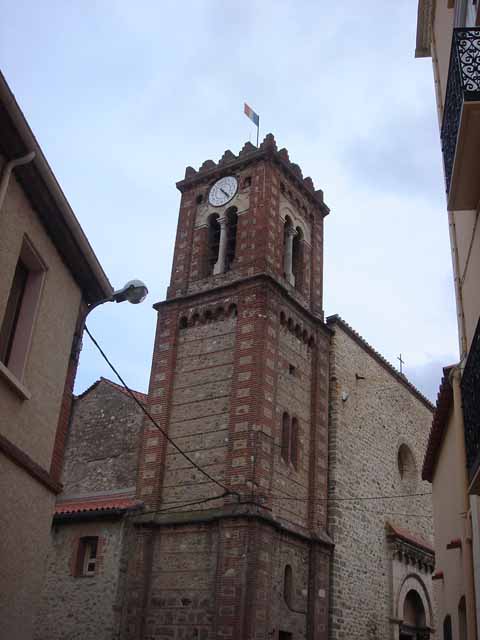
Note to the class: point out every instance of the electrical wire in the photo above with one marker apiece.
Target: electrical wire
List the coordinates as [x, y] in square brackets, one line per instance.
[354, 499]
[179, 505]
[153, 421]
[228, 491]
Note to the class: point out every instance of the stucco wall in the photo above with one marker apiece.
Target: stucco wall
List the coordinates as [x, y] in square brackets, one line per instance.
[367, 427]
[442, 33]
[448, 496]
[467, 230]
[25, 515]
[31, 424]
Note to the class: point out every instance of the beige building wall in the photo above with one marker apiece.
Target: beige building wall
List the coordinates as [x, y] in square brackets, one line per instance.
[26, 509]
[441, 44]
[467, 238]
[30, 423]
[450, 524]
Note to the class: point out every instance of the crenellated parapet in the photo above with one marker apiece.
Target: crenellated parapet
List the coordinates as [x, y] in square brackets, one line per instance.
[210, 170]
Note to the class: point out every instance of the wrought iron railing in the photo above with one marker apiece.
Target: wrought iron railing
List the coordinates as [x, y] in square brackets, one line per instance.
[471, 405]
[463, 85]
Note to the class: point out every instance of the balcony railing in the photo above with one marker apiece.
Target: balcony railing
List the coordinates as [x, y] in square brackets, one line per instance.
[471, 405]
[463, 85]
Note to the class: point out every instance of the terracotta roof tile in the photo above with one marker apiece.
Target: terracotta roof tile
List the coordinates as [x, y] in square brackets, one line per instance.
[439, 424]
[102, 504]
[417, 541]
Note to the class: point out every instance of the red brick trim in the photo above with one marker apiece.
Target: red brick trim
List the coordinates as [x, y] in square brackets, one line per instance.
[58, 453]
[23, 460]
[263, 276]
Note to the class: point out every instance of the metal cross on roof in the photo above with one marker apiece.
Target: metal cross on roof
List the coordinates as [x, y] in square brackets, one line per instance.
[402, 362]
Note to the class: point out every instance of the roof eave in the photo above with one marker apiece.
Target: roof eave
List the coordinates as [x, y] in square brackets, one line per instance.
[94, 283]
[424, 29]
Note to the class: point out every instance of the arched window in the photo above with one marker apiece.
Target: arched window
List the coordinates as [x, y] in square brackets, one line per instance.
[289, 442]
[285, 437]
[288, 232]
[288, 585]
[232, 221]
[413, 611]
[407, 468]
[294, 443]
[213, 242]
[462, 619]
[447, 628]
[297, 258]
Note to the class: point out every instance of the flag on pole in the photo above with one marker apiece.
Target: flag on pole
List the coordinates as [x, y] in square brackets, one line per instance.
[250, 113]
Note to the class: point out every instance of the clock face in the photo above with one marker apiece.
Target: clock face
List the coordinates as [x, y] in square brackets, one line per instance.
[223, 191]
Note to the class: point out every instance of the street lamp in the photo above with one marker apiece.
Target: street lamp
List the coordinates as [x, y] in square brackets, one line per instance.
[135, 291]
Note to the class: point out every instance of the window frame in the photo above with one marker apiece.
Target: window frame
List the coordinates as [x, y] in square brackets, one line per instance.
[87, 554]
[19, 335]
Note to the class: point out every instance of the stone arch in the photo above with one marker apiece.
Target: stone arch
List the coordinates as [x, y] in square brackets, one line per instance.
[296, 221]
[406, 466]
[413, 582]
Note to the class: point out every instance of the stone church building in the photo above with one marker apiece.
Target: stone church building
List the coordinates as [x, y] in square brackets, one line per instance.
[286, 502]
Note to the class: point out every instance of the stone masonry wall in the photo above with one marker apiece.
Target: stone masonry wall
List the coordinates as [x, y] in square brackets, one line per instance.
[371, 414]
[103, 442]
[293, 395]
[200, 409]
[83, 607]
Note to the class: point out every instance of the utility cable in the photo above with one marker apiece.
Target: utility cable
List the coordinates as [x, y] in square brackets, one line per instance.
[154, 422]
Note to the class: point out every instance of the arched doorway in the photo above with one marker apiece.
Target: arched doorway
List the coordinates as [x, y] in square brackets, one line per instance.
[414, 623]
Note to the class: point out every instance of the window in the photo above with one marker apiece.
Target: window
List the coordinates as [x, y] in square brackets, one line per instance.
[406, 466]
[232, 221]
[18, 321]
[285, 437]
[288, 585]
[213, 242]
[462, 619]
[289, 442]
[447, 628]
[297, 258]
[294, 443]
[87, 556]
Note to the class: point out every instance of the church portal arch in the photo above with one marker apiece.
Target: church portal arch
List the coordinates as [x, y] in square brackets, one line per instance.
[414, 608]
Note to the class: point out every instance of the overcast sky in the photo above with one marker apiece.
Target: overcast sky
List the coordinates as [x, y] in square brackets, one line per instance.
[123, 95]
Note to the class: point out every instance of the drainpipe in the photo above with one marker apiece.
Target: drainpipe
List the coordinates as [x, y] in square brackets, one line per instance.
[458, 286]
[7, 171]
[461, 463]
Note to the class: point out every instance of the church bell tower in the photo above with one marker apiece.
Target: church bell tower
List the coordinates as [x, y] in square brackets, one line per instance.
[233, 542]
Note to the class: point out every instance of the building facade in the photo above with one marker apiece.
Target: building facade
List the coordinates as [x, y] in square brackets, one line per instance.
[49, 274]
[383, 559]
[261, 517]
[449, 32]
[84, 589]
[240, 381]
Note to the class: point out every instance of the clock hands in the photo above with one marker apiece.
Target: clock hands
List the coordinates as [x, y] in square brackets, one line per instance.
[224, 192]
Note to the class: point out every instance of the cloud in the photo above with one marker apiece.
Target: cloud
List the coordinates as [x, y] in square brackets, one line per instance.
[427, 377]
